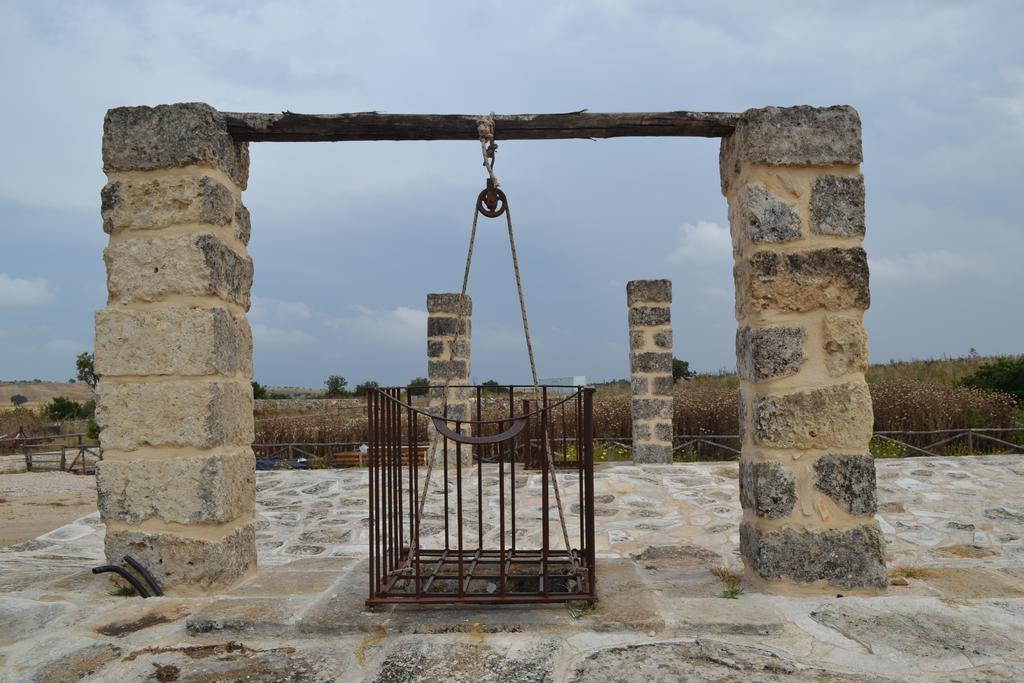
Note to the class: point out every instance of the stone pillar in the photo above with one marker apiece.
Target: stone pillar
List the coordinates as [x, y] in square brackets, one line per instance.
[176, 486]
[650, 368]
[807, 481]
[443, 319]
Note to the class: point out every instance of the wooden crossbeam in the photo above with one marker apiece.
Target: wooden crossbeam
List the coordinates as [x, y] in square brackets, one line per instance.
[291, 127]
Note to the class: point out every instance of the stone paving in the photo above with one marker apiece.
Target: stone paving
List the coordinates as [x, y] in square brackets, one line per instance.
[953, 529]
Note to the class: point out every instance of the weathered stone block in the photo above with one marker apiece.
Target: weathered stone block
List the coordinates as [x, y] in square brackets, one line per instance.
[178, 413]
[172, 341]
[662, 385]
[154, 203]
[663, 339]
[459, 348]
[172, 136]
[641, 432]
[652, 453]
[189, 265]
[435, 348]
[854, 558]
[846, 345]
[767, 217]
[438, 369]
[837, 205]
[652, 408]
[663, 431]
[650, 315]
[832, 279]
[447, 326]
[792, 136]
[639, 386]
[651, 361]
[449, 303]
[767, 488]
[200, 490]
[764, 353]
[243, 223]
[648, 291]
[637, 340]
[849, 480]
[836, 415]
[201, 564]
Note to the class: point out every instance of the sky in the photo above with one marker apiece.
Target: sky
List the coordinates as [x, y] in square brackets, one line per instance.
[347, 238]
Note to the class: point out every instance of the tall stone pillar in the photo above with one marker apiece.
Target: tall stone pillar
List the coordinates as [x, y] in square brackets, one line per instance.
[445, 316]
[650, 368]
[807, 481]
[176, 486]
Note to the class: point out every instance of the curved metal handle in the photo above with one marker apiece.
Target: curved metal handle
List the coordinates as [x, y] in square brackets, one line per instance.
[441, 425]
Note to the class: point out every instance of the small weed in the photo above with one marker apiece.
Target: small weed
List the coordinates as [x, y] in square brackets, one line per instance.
[911, 572]
[731, 581]
[731, 593]
[121, 590]
[581, 610]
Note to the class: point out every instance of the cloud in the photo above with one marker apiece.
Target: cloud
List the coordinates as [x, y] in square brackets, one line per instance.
[64, 346]
[18, 292]
[932, 267]
[400, 325]
[702, 242]
[277, 336]
[278, 309]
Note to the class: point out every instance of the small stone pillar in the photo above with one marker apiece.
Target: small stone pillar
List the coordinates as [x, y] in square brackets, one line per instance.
[807, 480]
[176, 487]
[650, 368]
[445, 316]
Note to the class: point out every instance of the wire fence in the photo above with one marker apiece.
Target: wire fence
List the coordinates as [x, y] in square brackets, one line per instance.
[77, 453]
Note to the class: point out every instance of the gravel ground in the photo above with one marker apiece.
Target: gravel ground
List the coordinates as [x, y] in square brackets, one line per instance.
[44, 483]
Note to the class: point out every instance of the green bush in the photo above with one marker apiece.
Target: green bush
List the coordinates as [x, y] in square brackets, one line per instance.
[1005, 375]
[62, 408]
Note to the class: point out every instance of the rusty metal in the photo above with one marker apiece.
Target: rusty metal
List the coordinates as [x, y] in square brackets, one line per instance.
[491, 201]
[478, 541]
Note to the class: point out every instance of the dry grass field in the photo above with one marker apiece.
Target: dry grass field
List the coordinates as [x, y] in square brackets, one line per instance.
[39, 393]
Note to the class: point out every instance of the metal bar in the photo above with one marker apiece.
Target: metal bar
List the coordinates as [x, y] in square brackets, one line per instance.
[588, 507]
[545, 473]
[458, 499]
[501, 510]
[479, 480]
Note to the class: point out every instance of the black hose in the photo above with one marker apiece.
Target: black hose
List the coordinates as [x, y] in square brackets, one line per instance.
[137, 566]
[124, 575]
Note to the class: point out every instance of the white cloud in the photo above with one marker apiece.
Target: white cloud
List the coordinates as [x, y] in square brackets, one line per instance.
[19, 292]
[64, 346]
[400, 325]
[278, 309]
[702, 242]
[277, 336]
[932, 267]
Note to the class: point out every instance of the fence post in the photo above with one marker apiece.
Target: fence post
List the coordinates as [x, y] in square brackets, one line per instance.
[970, 441]
[63, 458]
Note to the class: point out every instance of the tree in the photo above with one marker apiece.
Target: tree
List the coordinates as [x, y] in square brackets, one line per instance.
[419, 386]
[258, 390]
[336, 386]
[491, 386]
[86, 371]
[19, 399]
[1006, 375]
[62, 408]
[361, 389]
[681, 369]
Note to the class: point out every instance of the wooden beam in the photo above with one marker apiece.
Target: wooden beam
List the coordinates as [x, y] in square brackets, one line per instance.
[291, 127]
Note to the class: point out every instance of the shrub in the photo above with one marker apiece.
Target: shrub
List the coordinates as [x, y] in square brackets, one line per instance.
[62, 408]
[19, 399]
[1005, 375]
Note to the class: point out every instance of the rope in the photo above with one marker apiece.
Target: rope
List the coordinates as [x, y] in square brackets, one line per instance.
[485, 128]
